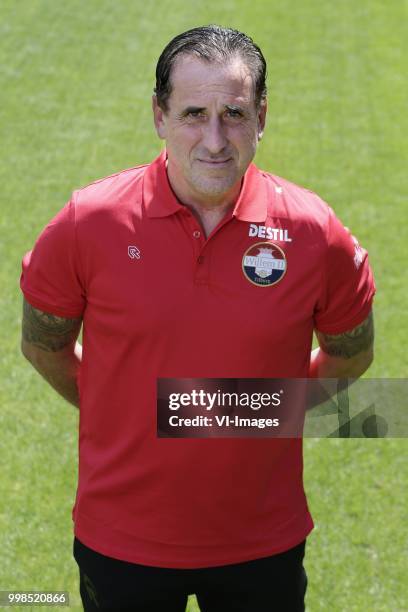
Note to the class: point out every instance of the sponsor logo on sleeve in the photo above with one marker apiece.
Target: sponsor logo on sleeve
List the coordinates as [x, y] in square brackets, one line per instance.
[264, 264]
[358, 253]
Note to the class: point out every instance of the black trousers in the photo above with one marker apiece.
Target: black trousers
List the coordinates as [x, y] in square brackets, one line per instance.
[277, 583]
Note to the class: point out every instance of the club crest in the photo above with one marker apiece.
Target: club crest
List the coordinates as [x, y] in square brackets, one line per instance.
[264, 264]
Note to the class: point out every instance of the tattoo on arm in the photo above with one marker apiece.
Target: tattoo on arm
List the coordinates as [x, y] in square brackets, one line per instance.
[46, 331]
[350, 343]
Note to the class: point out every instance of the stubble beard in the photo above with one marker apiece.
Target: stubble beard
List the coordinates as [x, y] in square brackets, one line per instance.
[214, 186]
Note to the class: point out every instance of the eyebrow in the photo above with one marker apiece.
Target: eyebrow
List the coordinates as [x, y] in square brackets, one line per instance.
[193, 109]
[234, 107]
[199, 109]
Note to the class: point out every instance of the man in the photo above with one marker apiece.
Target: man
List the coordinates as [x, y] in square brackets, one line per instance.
[152, 261]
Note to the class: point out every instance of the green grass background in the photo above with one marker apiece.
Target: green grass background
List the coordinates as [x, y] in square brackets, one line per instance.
[76, 80]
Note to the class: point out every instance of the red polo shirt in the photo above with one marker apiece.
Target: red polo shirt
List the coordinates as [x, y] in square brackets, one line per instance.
[159, 299]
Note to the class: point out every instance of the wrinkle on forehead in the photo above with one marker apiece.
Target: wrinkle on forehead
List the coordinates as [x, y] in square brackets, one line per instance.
[192, 76]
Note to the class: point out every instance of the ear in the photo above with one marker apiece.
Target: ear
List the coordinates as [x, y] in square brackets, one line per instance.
[262, 118]
[159, 118]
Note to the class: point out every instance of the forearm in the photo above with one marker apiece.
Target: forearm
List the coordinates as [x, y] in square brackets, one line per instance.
[343, 356]
[323, 365]
[335, 370]
[49, 344]
[60, 369]
[346, 355]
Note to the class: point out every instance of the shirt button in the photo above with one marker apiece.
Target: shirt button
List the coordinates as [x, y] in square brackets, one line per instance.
[200, 259]
[196, 234]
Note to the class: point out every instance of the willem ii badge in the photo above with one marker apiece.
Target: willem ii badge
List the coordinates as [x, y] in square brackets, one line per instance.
[264, 264]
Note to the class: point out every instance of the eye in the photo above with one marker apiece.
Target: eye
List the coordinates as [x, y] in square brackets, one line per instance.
[233, 113]
[194, 114]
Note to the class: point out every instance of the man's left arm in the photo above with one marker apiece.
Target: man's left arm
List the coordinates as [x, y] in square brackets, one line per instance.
[346, 355]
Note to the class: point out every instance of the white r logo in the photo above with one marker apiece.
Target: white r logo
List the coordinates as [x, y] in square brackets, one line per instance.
[133, 252]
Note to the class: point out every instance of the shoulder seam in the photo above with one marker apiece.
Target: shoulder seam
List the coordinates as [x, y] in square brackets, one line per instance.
[112, 176]
[275, 178]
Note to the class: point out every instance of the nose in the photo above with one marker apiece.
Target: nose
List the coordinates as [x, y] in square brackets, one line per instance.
[214, 137]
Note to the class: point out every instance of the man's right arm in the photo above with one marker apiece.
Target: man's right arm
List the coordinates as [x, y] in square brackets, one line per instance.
[49, 343]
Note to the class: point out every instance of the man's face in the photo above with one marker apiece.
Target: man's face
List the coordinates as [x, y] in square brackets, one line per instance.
[211, 127]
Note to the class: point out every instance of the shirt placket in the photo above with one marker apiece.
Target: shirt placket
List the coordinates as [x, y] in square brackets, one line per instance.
[201, 248]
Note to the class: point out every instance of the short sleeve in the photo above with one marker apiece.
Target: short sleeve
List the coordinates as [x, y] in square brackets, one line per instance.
[348, 285]
[51, 278]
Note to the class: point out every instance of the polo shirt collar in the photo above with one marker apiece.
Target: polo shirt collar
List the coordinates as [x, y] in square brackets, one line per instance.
[252, 203]
[160, 201]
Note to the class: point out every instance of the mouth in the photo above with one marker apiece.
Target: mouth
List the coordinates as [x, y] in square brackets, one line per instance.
[216, 162]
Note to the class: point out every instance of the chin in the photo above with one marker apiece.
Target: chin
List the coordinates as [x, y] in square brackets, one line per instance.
[215, 186]
[214, 189]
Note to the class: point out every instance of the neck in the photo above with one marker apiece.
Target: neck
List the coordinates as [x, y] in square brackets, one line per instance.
[208, 209]
[205, 202]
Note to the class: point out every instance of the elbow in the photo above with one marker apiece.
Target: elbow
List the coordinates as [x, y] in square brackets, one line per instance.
[362, 362]
[28, 351]
[369, 356]
[24, 347]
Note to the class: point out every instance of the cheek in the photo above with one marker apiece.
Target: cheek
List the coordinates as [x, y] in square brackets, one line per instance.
[185, 138]
[245, 140]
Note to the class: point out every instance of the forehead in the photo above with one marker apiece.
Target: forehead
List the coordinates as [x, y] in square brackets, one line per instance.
[196, 81]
